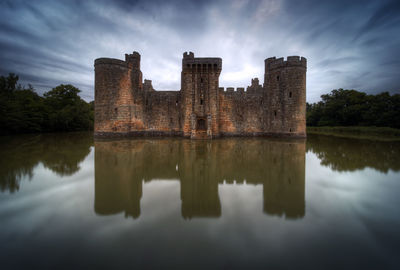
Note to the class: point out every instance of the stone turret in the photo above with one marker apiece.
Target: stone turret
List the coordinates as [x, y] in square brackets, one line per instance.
[118, 98]
[255, 86]
[285, 85]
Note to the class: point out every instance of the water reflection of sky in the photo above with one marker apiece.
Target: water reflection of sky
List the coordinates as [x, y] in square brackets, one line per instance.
[350, 219]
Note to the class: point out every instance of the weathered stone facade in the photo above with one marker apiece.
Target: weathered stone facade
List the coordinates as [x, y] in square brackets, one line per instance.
[124, 105]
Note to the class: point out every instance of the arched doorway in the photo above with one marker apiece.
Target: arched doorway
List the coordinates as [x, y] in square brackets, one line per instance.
[201, 124]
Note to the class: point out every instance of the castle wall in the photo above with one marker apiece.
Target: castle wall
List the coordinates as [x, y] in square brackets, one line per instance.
[241, 113]
[162, 112]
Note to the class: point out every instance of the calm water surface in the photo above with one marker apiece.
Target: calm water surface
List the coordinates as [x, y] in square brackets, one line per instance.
[67, 201]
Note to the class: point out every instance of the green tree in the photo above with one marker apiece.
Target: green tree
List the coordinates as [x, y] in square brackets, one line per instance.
[353, 108]
[66, 110]
[22, 110]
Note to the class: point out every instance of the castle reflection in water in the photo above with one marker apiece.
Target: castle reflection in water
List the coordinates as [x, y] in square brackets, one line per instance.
[121, 168]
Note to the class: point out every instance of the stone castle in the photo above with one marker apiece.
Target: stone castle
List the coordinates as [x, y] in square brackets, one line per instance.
[124, 105]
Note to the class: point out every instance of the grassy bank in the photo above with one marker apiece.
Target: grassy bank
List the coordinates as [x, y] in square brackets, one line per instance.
[372, 133]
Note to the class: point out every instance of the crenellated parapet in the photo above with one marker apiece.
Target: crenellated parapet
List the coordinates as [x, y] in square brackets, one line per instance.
[110, 61]
[255, 87]
[201, 64]
[292, 61]
[232, 90]
[133, 60]
[147, 86]
[188, 55]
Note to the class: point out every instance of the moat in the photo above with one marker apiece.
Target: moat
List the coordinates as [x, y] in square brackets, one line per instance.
[69, 201]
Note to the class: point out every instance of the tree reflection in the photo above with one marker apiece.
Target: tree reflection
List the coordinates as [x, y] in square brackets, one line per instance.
[61, 153]
[347, 154]
[122, 166]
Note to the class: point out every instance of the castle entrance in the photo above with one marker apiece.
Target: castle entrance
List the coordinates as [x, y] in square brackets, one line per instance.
[201, 124]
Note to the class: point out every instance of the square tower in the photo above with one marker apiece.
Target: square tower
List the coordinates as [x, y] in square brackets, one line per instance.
[199, 86]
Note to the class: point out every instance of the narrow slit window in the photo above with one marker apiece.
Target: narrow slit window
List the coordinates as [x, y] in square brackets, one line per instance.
[201, 101]
[277, 78]
[274, 113]
[290, 94]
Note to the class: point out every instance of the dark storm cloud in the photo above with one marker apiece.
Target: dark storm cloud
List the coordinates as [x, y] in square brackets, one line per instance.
[384, 16]
[353, 44]
[348, 44]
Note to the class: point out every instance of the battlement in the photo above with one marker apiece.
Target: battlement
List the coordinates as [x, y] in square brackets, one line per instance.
[147, 85]
[240, 90]
[255, 82]
[131, 61]
[188, 55]
[133, 56]
[110, 61]
[292, 61]
[200, 64]
[254, 88]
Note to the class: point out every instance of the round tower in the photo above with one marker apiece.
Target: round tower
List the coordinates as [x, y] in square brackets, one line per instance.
[285, 84]
[113, 96]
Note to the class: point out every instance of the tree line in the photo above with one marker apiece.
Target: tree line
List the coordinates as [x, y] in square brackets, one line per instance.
[353, 108]
[61, 109]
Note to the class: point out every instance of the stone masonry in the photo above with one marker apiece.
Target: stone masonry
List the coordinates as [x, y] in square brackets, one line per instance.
[125, 105]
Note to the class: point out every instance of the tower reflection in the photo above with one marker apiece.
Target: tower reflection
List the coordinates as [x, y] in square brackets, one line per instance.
[122, 166]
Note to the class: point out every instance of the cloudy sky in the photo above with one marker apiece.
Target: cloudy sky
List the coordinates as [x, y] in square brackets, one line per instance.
[349, 44]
